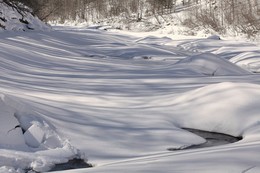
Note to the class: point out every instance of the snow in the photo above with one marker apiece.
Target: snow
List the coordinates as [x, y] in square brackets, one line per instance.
[93, 94]
[210, 64]
[210, 101]
[247, 60]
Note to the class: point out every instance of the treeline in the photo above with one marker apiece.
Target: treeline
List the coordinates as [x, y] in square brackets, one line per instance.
[219, 15]
[90, 10]
[239, 16]
[95, 9]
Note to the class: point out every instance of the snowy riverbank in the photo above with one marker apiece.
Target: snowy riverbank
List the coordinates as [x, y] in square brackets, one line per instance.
[121, 100]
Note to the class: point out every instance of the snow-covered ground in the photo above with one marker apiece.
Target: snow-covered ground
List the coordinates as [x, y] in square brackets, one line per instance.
[121, 100]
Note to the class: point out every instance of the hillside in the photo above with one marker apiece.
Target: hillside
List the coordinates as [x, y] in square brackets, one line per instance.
[19, 18]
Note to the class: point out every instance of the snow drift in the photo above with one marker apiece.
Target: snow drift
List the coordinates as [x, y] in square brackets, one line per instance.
[212, 65]
[242, 54]
[248, 60]
[226, 107]
[13, 19]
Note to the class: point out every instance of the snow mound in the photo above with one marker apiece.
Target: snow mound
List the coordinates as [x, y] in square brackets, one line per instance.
[28, 141]
[214, 37]
[231, 108]
[212, 65]
[13, 19]
[34, 136]
[248, 60]
[154, 40]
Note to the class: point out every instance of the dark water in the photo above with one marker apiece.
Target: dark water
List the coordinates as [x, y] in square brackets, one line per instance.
[212, 138]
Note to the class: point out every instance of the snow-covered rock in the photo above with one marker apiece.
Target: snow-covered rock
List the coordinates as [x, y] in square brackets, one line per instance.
[11, 135]
[34, 136]
[214, 37]
[12, 19]
[39, 148]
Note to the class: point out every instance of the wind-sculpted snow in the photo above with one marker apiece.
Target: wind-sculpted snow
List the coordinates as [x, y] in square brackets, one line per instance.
[248, 60]
[212, 65]
[212, 107]
[243, 54]
[92, 94]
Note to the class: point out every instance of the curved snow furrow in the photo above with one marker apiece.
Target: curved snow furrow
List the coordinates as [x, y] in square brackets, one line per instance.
[186, 153]
[56, 62]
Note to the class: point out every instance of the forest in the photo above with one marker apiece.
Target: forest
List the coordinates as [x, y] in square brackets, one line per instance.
[220, 15]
